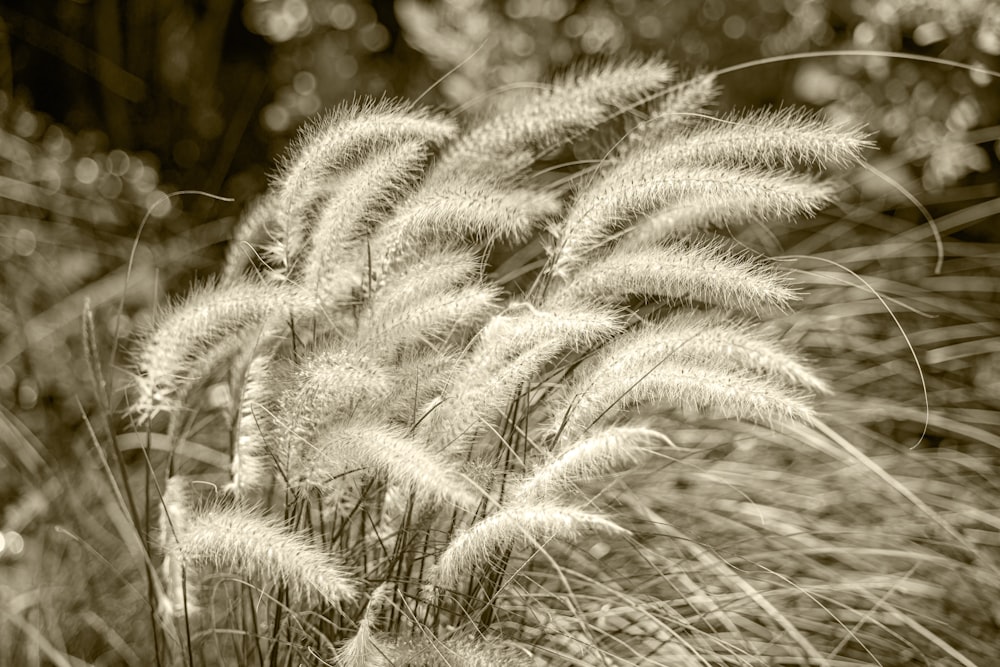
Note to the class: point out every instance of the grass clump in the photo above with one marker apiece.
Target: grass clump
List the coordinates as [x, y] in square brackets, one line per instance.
[608, 454]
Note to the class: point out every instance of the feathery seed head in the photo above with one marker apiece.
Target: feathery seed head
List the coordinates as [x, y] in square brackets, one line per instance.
[344, 137]
[709, 271]
[522, 327]
[254, 229]
[534, 523]
[752, 198]
[711, 337]
[679, 107]
[418, 466]
[481, 393]
[788, 138]
[419, 375]
[397, 309]
[431, 320]
[361, 197]
[240, 540]
[332, 385]
[431, 415]
[647, 181]
[364, 649]
[509, 353]
[483, 210]
[605, 451]
[422, 651]
[190, 339]
[546, 117]
[251, 467]
[340, 142]
[437, 269]
[638, 369]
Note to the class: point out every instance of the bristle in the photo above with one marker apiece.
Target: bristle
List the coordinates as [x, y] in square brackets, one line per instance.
[708, 271]
[454, 208]
[341, 139]
[421, 468]
[364, 649]
[647, 182]
[639, 369]
[252, 231]
[252, 467]
[334, 263]
[783, 138]
[241, 541]
[197, 334]
[545, 118]
[536, 523]
[681, 106]
[601, 453]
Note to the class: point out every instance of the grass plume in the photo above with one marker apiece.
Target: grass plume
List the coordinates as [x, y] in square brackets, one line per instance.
[438, 461]
[509, 140]
[240, 541]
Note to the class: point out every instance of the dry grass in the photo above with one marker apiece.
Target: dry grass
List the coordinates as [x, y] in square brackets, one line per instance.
[621, 457]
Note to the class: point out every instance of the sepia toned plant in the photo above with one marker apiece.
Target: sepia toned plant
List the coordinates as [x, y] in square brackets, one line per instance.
[444, 365]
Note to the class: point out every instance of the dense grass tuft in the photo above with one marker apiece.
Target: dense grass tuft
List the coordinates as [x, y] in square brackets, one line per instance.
[448, 406]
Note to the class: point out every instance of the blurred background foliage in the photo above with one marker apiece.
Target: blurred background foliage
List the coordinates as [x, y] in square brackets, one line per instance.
[920, 112]
[107, 106]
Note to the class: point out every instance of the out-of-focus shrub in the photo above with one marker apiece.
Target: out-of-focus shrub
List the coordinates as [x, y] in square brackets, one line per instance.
[70, 206]
[923, 112]
[180, 79]
[70, 212]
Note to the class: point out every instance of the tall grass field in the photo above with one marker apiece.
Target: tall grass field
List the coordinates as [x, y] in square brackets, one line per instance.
[591, 372]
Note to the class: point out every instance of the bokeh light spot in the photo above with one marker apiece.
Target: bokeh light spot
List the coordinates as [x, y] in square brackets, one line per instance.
[118, 162]
[26, 124]
[297, 10]
[928, 33]
[110, 187]
[24, 242]
[342, 16]
[713, 10]
[988, 41]
[574, 26]
[14, 543]
[522, 44]
[307, 105]
[87, 170]
[375, 37]
[27, 394]
[650, 27]
[158, 204]
[275, 117]
[304, 83]
[980, 78]
[864, 35]
[57, 145]
[734, 27]
[346, 67]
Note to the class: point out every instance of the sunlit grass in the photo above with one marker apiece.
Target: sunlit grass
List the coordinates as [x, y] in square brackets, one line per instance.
[756, 545]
